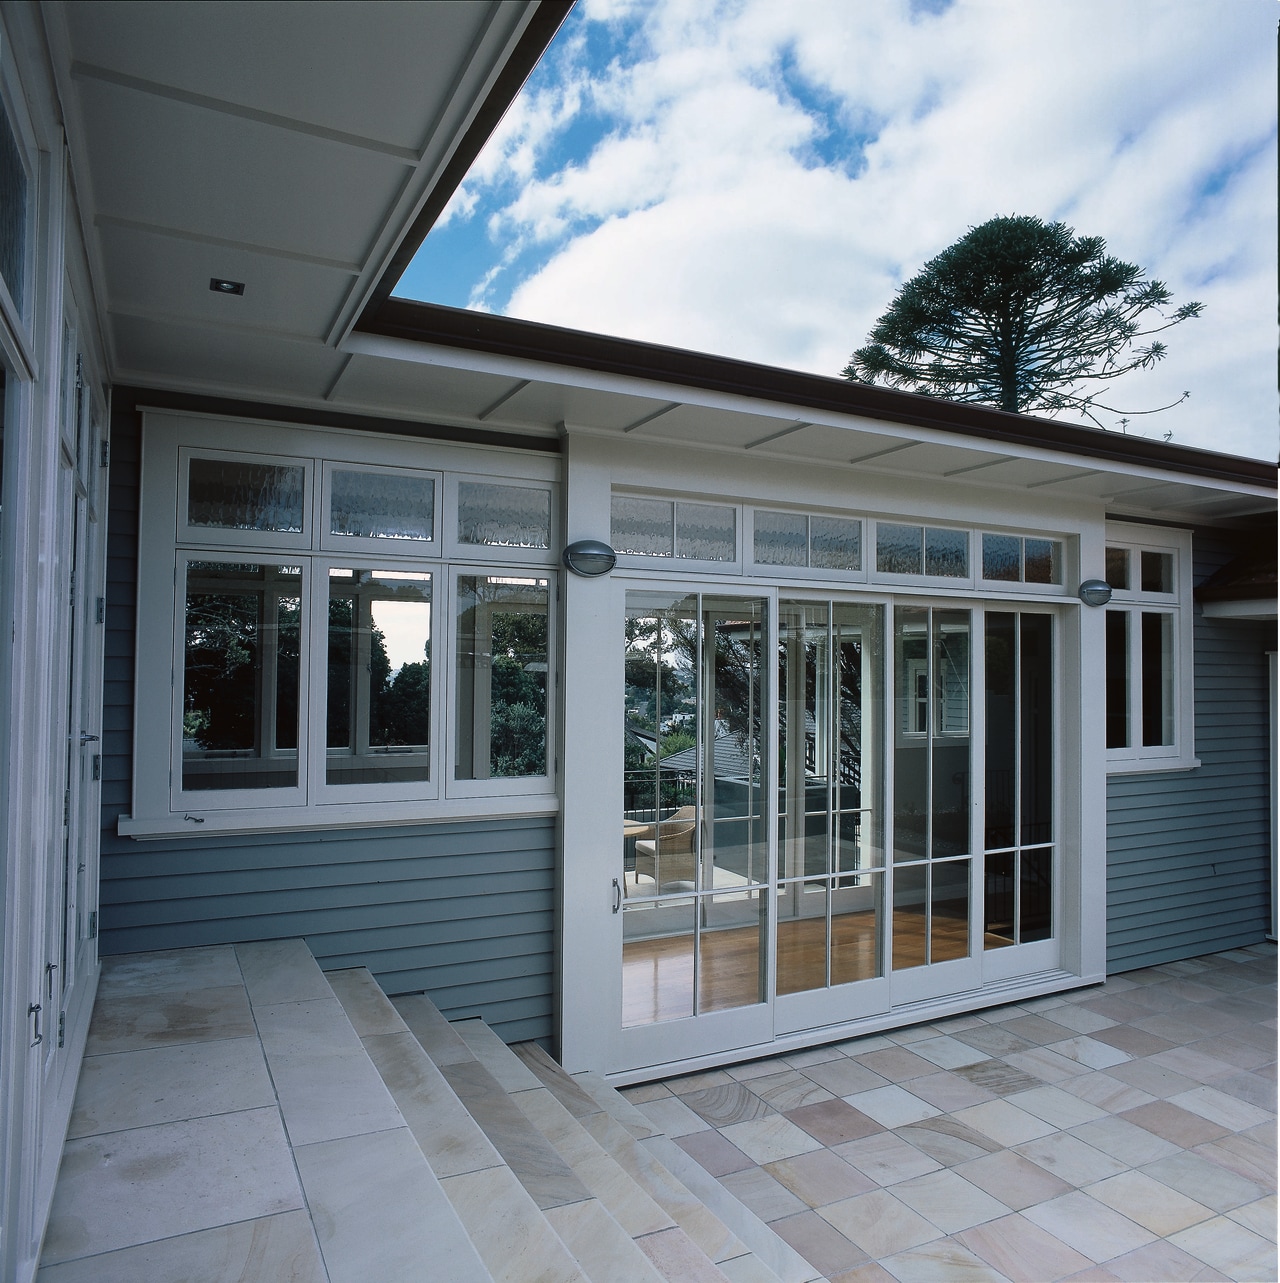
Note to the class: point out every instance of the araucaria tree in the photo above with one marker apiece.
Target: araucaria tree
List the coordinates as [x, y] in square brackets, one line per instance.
[1024, 315]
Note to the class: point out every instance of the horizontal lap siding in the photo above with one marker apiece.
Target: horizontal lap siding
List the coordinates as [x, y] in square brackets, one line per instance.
[1188, 852]
[463, 910]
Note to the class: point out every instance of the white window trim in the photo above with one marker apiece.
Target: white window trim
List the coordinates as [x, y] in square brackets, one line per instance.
[160, 806]
[1180, 755]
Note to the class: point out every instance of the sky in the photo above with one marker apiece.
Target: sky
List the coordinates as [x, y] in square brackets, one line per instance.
[757, 179]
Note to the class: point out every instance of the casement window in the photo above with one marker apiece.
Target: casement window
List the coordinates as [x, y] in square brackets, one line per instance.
[330, 632]
[1148, 649]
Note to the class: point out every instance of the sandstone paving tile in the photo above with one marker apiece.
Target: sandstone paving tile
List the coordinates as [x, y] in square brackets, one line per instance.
[947, 1140]
[130, 1020]
[1108, 1093]
[887, 1158]
[1236, 1251]
[164, 970]
[1131, 1144]
[670, 1115]
[1260, 1217]
[756, 1069]
[953, 1024]
[943, 1261]
[1089, 1052]
[896, 1064]
[947, 1052]
[1150, 1202]
[1184, 1026]
[1071, 1159]
[911, 1033]
[730, 1102]
[1137, 1042]
[843, 1077]
[644, 1092]
[867, 1272]
[1079, 1018]
[686, 1083]
[812, 1056]
[1260, 1035]
[768, 1139]
[1194, 1064]
[676, 1256]
[820, 1243]
[879, 1223]
[1157, 1080]
[758, 1191]
[788, 1089]
[1243, 1156]
[1060, 1108]
[1004, 1123]
[1215, 1186]
[868, 1042]
[1115, 1007]
[948, 1091]
[1159, 1261]
[891, 1105]
[716, 1154]
[1218, 1107]
[1020, 1249]
[833, 1121]
[998, 1077]
[1252, 1088]
[1016, 1181]
[1089, 1226]
[1038, 1029]
[995, 1040]
[949, 1201]
[1173, 1123]
[1045, 1064]
[819, 1177]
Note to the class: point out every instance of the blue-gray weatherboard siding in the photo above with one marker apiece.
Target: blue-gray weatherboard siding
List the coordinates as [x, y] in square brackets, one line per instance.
[463, 910]
[1189, 852]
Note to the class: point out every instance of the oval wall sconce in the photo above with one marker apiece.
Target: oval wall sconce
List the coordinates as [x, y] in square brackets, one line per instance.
[590, 557]
[1095, 592]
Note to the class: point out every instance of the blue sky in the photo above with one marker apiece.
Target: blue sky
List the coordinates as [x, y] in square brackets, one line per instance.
[757, 179]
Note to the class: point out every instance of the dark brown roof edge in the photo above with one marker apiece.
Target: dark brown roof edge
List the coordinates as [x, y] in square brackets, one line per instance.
[507, 336]
[524, 58]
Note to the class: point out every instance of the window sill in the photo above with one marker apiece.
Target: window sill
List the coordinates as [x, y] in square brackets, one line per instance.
[318, 818]
[1151, 765]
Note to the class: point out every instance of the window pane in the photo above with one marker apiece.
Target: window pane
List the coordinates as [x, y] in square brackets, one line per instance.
[731, 969]
[802, 936]
[657, 961]
[501, 677]
[910, 916]
[950, 785]
[379, 505]
[1118, 568]
[856, 928]
[911, 751]
[706, 532]
[1157, 678]
[998, 901]
[1001, 558]
[1001, 665]
[781, 538]
[379, 679]
[1157, 572]
[503, 516]
[642, 527]
[1036, 915]
[1117, 679]
[946, 552]
[835, 544]
[949, 911]
[232, 494]
[1043, 561]
[1036, 690]
[13, 213]
[898, 549]
[240, 676]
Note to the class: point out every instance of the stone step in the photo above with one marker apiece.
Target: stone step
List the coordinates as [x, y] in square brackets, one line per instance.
[376, 1205]
[588, 1093]
[494, 1088]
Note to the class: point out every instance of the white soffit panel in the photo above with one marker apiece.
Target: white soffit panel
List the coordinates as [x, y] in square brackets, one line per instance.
[708, 426]
[550, 404]
[829, 444]
[425, 391]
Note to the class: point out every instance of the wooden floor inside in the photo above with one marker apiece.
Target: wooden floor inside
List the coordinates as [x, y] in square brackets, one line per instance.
[658, 975]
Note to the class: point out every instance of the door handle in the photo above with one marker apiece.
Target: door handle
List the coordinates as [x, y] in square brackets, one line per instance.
[33, 1009]
[617, 895]
[86, 738]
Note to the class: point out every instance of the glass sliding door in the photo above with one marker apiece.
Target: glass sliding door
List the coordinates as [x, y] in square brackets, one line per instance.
[695, 846]
[932, 775]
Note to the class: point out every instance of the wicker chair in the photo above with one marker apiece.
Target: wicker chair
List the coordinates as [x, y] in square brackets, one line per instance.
[670, 856]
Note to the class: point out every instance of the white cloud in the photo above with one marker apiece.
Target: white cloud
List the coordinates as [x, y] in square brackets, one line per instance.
[701, 220]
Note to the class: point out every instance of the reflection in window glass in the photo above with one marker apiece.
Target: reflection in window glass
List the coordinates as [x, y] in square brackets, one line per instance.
[899, 549]
[706, 531]
[1002, 558]
[1157, 678]
[503, 516]
[1118, 568]
[1117, 680]
[13, 214]
[1043, 561]
[501, 677]
[642, 527]
[781, 538]
[1157, 571]
[381, 505]
[946, 553]
[379, 677]
[835, 543]
[241, 659]
[234, 494]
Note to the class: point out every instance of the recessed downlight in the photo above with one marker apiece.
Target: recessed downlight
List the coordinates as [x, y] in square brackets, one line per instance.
[220, 286]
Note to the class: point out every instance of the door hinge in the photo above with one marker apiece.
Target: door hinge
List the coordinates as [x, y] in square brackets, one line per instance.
[62, 1029]
[101, 610]
[66, 807]
[93, 925]
[96, 770]
[105, 460]
[79, 373]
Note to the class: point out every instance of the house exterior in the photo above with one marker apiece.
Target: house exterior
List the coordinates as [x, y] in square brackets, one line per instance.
[837, 742]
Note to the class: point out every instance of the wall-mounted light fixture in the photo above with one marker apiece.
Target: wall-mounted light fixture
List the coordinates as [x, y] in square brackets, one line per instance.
[220, 286]
[590, 557]
[1095, 592]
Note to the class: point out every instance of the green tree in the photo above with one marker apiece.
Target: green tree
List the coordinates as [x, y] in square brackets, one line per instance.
[1023, 315]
